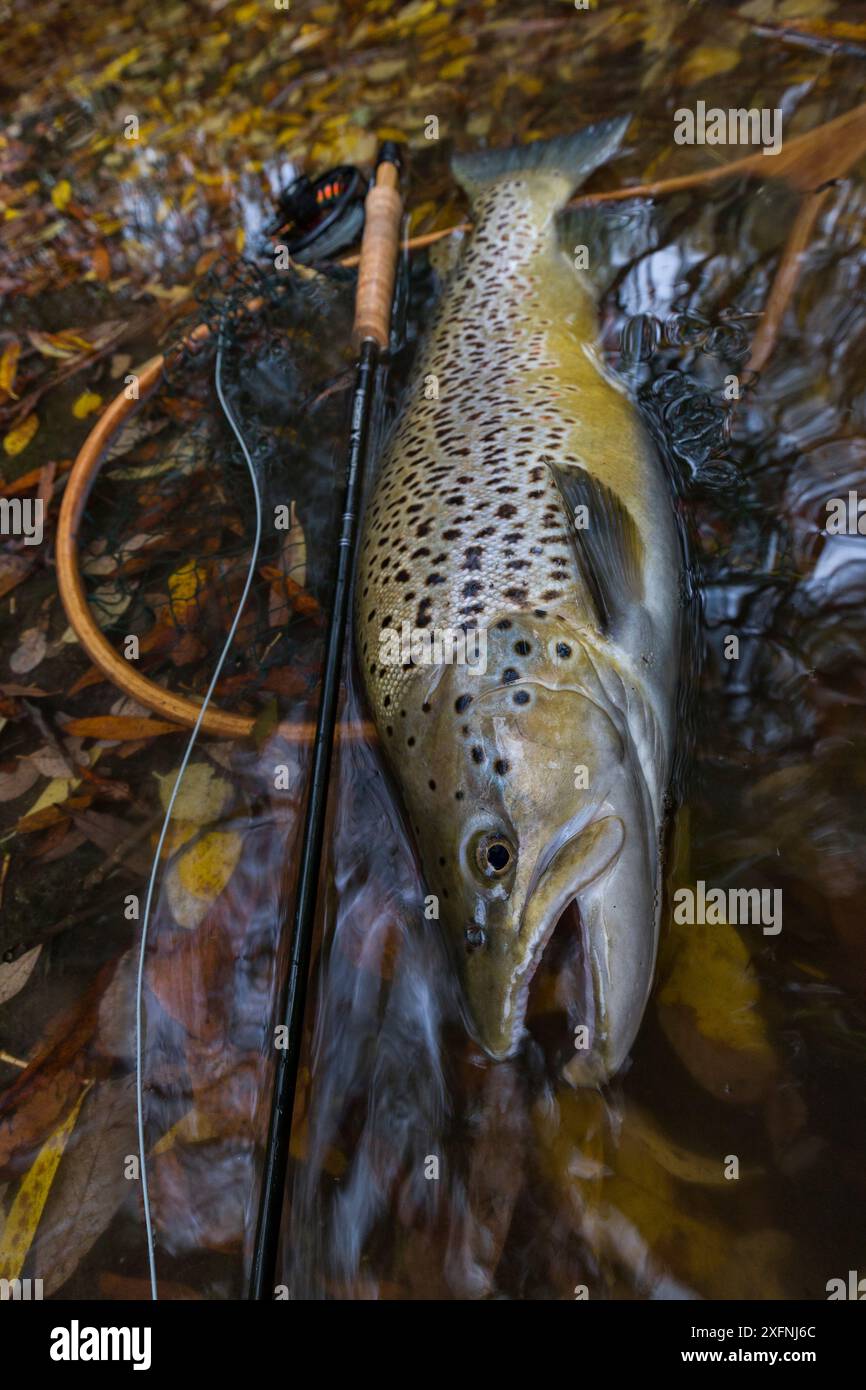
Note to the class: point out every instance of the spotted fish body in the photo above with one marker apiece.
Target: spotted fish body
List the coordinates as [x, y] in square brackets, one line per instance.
[519, 499]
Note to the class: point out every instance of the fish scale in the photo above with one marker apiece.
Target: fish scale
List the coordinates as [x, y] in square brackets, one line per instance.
[511, 420]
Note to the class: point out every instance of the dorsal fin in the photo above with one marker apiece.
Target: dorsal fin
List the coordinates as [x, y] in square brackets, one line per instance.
[606, 542]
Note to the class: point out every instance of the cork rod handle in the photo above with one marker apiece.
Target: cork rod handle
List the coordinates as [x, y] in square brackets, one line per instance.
[378, 264]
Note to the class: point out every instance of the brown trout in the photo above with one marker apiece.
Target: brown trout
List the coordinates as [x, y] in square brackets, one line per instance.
[520, 506]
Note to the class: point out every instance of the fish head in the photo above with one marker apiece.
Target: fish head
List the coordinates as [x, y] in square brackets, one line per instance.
[528, 795]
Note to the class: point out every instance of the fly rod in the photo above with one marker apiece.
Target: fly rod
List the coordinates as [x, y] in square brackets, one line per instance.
[376, 275]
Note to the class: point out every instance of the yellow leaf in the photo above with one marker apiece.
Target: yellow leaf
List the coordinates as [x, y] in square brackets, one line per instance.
[456, 68]
[113, 71]
[201, 875]
[9, 367]
[87, 402]
[185, 587]
[412, 13]
[706, 61]
[711, 974]
[16, 440]
[195, 1127]
[26, 1210]
[201, 797]
[61, 193]
[632, 1212]
[58, 789]
[68, 343]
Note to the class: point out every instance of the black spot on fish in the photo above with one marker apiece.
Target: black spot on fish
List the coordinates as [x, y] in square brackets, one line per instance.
[503, 625]
[462, 702]
[509, 675]
[522, 648]
[501, 766]
[563, 650]
[521, 697]
[477, 754]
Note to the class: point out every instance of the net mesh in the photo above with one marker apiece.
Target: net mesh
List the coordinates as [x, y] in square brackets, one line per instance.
[166, 538]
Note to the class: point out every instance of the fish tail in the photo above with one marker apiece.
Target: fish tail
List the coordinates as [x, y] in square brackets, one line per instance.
[569, 158]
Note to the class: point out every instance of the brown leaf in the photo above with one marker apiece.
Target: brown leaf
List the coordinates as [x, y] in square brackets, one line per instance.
[101, 262]
[90, 1185]
[50, 1085]
[27, 692]
[119, 727]
[13, 568]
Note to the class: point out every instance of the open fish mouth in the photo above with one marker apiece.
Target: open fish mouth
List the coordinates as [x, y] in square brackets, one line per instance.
[601, 883]
[556, 1004]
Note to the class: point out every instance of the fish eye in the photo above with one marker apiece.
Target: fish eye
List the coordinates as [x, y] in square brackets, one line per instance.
[494, 856]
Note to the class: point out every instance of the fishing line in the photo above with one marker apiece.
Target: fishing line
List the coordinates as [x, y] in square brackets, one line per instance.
[151, 884]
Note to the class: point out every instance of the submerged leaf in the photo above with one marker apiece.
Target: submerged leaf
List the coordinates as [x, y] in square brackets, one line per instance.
[15, 974]
[91, 1184]
[201, 874]
[26, 1210]
[16, 441]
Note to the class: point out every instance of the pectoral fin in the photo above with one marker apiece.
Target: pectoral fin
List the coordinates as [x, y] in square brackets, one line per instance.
[606, 542]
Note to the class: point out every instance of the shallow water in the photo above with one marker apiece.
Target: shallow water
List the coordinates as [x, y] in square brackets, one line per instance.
[629, 1187]
[420, 1169]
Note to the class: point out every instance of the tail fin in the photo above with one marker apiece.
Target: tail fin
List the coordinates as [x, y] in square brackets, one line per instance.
[570, 158]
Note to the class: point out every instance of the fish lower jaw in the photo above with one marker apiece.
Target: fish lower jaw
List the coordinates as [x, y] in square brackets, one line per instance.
[520, 1001]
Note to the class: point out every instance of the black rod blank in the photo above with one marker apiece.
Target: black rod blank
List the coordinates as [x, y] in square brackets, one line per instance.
[295, 991]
